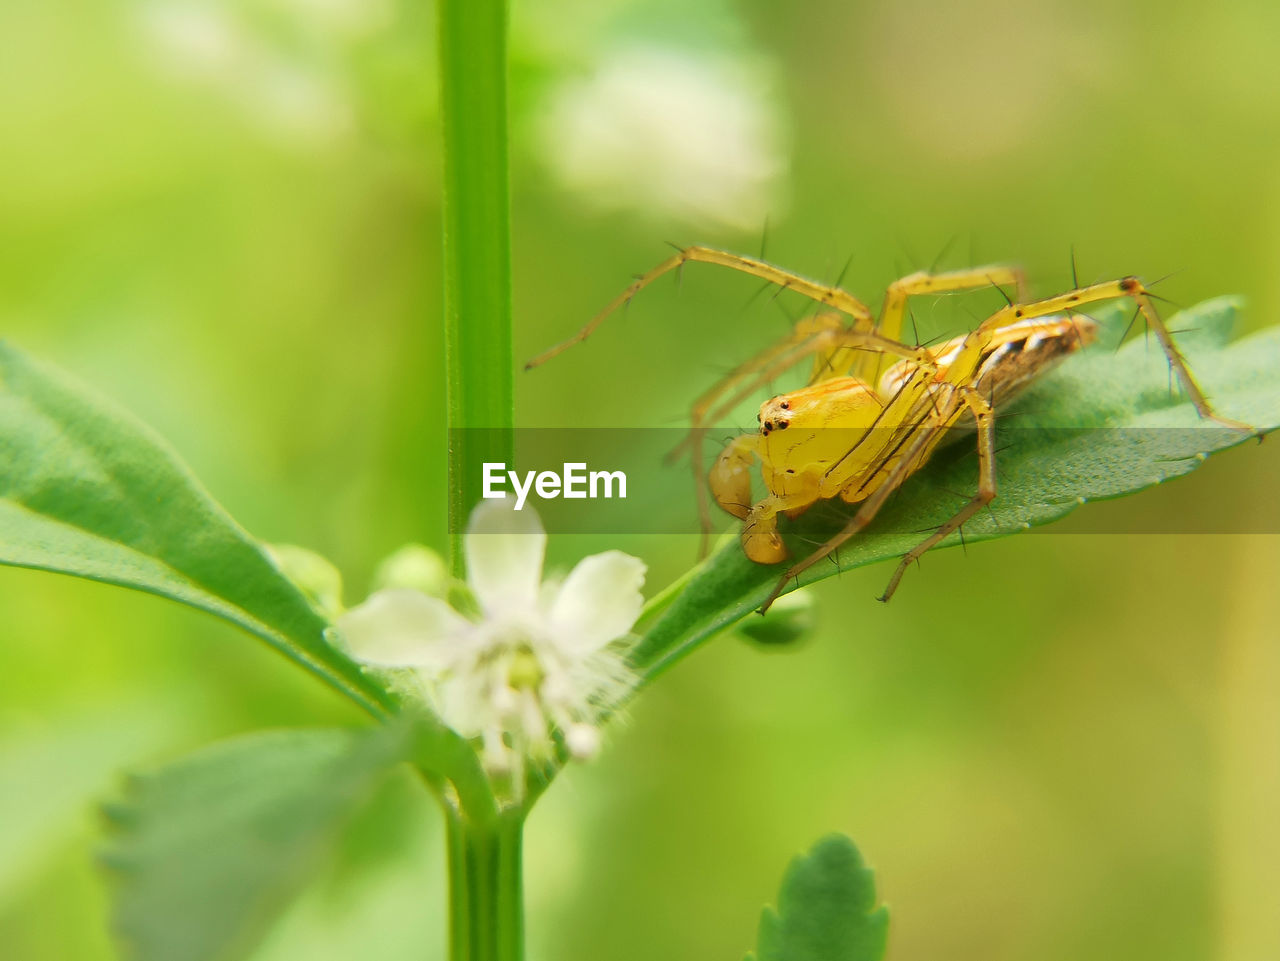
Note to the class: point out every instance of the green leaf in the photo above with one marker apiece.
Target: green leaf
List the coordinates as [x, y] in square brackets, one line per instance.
[826, 909]
[1104, 424]
[87, 490]
[207, 851]
[55, 768]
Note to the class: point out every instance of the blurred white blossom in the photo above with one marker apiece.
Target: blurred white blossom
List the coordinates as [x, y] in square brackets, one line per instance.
[539, 657]
[290, 96]
[344, 18]
[668, 133]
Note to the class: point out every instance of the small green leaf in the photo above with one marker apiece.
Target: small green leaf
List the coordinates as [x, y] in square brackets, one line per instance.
[1104, 424]
[205, 853]
[826, 909]
[87, 490]
[54, 769]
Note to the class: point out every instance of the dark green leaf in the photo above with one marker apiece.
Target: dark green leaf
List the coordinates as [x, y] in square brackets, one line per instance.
[205, 852]
[87, 490]
[1103, 425]
[826, 909]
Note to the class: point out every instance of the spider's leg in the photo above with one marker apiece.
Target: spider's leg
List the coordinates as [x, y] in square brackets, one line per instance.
[985, 417]
[1132, 288]
[907, 465]
[922, 282]
[828, 294]
[759, 537]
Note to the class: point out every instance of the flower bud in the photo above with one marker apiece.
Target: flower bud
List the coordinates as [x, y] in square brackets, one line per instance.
[787, 621]
[318, 579]
[416, 567]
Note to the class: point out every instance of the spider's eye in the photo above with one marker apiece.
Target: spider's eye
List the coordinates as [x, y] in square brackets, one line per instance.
[757, 417]
[782, 424]
[785, 406]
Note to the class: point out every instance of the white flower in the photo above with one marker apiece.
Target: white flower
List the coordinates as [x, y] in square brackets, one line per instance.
[539, 657]
[669, 133]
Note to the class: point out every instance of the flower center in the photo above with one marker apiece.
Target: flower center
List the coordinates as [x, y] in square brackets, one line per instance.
[524, 670]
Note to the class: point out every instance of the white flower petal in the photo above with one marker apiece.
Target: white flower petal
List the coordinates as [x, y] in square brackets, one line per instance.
[599, 601]
[402, 628]
[504, 550]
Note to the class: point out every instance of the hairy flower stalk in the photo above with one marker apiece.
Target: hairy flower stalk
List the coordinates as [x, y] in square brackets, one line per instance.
[537, 660]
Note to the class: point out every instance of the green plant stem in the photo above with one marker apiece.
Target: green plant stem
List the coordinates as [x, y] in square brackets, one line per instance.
[486, 911]
[477, 249]
[485, 889]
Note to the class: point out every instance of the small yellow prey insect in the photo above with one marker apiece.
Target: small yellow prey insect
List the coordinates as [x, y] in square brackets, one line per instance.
[875, 408]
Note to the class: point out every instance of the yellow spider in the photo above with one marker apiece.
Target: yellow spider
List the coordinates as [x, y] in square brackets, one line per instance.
[857, 431]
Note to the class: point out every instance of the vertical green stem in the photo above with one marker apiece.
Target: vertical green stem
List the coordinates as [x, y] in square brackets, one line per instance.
[486, 909]
[477, 247]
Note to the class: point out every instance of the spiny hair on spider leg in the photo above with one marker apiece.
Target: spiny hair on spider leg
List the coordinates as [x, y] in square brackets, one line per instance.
[1128, 327]
[953, 493]
[995, 521]
[931, 530]
[826, 363]
[784, 286]
[1002, 421]
[755, 296]
[949, 333]
[933, 267]
[1161, 280]
[973, 315]
[721, 370]
[912, 260]
[1164, 300]
[843, 270]
[1008, 300]
[1071, 313]
[829, 510]
[791, 318]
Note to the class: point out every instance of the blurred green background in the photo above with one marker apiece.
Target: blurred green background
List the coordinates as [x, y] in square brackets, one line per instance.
[225, 215]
